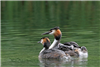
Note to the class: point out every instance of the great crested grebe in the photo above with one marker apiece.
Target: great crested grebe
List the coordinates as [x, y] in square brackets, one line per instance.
[68, 46]
[57, 35]
[51, 53]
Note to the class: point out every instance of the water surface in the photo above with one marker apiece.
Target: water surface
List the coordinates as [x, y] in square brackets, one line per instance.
[19, 49]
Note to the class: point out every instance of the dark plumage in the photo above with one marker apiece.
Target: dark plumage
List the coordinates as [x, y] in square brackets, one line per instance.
[72, 43]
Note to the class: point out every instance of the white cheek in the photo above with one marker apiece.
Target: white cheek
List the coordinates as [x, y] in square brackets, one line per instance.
[53, 31]
[41, 40]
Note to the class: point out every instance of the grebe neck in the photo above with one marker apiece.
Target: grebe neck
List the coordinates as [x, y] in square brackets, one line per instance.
[46, 46]
[42, 50]
[55, 42]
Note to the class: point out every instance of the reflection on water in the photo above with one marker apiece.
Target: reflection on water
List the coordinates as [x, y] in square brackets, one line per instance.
[51, 62]
[79, 62]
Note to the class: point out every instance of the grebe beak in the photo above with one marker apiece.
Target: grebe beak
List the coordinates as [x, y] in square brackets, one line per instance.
[46, 33]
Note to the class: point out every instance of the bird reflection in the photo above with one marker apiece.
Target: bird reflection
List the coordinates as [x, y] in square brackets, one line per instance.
[80, 61]
[52, 62]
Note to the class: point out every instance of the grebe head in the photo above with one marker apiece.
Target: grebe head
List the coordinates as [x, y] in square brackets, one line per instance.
[83, 48]
[45, 41]
[54, 31]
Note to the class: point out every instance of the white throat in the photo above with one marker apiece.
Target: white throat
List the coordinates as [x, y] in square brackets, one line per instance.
[53, 44]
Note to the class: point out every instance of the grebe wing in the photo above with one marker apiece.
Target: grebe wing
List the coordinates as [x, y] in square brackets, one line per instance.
[64, 47]
[72, 43]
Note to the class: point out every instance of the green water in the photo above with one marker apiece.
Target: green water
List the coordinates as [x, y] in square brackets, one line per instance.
[23, 22]
[21, 50]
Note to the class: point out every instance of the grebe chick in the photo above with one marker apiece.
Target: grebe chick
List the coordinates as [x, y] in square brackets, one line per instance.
[82, 52]
[51, 53]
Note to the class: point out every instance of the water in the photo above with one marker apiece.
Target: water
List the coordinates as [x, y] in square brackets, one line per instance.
[23, 22]
[65, 63]
[21, 50]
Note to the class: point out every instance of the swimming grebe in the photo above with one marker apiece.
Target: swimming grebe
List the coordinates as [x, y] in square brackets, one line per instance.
[51, 53]
[82, 52]
[57, 35]
[69, 46]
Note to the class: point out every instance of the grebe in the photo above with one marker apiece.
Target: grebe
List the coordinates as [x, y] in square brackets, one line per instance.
[57, 35]
[82, 52]
[51, 53]
[69, 46]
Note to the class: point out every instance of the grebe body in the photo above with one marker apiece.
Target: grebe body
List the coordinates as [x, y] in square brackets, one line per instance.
[67, 47]
[51, 53]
